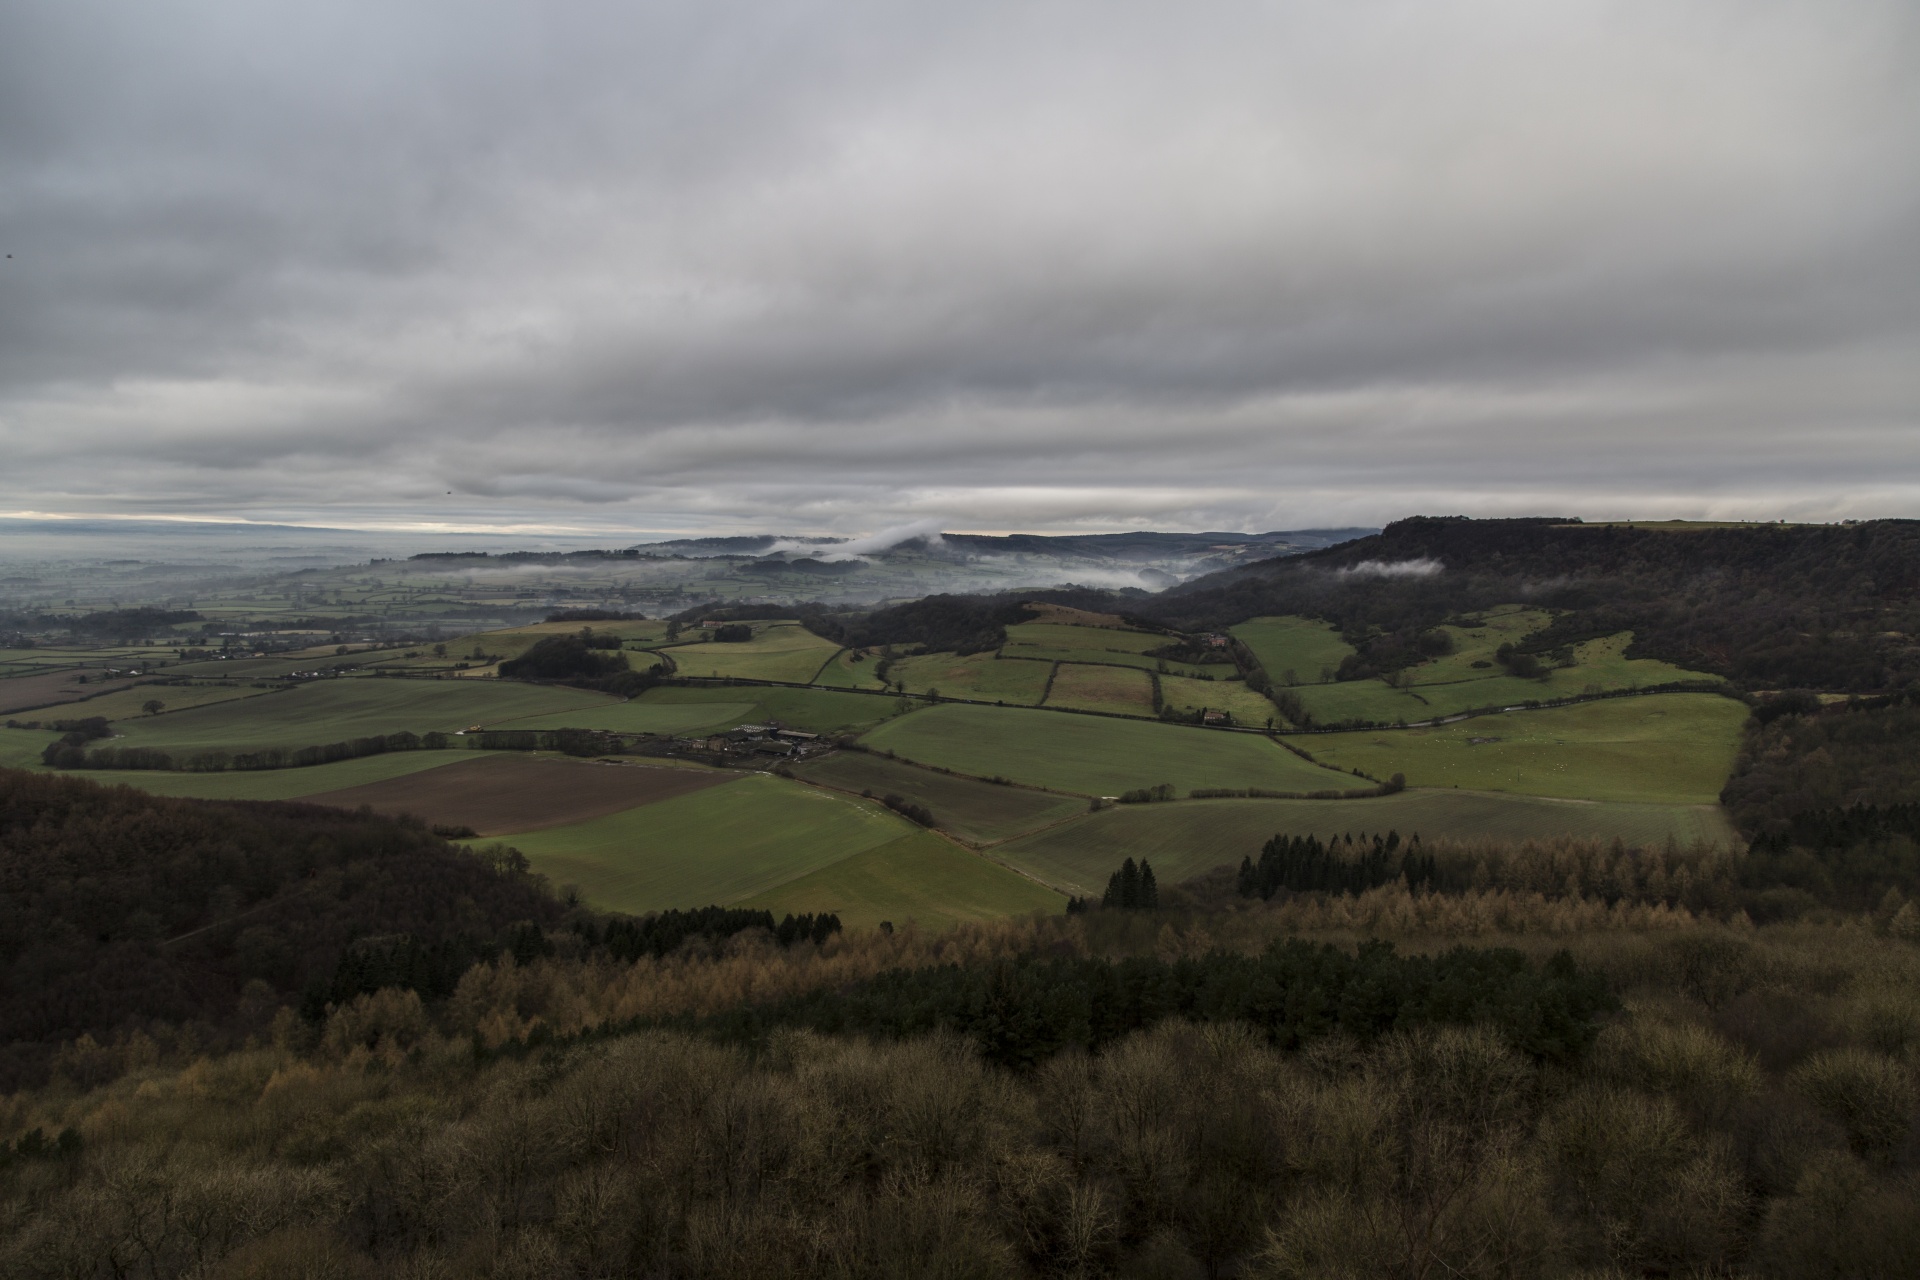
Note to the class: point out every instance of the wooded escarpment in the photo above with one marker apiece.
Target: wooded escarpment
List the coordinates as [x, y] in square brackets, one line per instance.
[1768, 606]
[120, 909]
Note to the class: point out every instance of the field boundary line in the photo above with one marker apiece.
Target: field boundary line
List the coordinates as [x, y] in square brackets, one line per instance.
[1721, 690]
[822, 669]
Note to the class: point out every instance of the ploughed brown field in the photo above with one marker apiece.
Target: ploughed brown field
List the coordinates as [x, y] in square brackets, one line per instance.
[504, 794]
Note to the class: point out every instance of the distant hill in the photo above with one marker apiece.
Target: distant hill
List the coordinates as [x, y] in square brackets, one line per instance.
[1136, 545]
[1832, 607]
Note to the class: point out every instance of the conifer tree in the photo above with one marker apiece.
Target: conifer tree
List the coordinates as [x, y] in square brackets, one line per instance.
[1147, 893]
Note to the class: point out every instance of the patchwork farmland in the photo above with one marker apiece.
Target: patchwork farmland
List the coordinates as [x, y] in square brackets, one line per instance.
[1007, 752]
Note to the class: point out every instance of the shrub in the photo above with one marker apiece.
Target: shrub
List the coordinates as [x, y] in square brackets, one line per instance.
[1869, 1094]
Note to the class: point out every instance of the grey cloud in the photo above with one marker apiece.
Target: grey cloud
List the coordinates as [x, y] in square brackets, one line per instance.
[845, 266]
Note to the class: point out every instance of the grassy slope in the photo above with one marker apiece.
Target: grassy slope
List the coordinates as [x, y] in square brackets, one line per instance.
[1094, 755]
[276, 784]
[1452, 684]
[1059, 642]
[1191, 836]
[919, 877]
[978, 675]
[1246, 706]
[127, 703]
[1121, 690]
[980, 812]
[1056, 635]
[814, 710]
[844, 673]
[640, 716]
[1302, 645]
[21, 748]
[1658, 748]
[720, 845]
[780, 651]
[511, 642]
[333, 710]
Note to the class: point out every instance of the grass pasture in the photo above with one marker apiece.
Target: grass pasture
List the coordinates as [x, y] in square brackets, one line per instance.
[22, 748]
[813, 710]
[778, 651]
[721, 845]
[1478, 643]
[640, 716]
[515, 641]
[1375, 700]
[978, 812]
[1094, 755]
[1061, 642]
[918, 877]
[1232, 696]
[335, 710]
[1191, 836]
[128, 703]
[1078, 639]
[504, 793]
[846, 673]
[275, 784]
[984, 676]
[1452, 684]
[1674, 748]
[1120, 690]
[1301, 645]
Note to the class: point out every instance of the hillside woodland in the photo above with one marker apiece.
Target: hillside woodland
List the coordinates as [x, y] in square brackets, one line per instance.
[1768, 607]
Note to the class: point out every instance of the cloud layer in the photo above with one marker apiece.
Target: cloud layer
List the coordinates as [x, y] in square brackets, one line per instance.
[844, 265]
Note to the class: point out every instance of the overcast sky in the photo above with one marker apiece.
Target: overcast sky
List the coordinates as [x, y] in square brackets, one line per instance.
[839, 265]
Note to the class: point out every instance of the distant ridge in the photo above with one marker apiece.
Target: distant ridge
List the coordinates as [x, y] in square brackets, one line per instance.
[1103, 545]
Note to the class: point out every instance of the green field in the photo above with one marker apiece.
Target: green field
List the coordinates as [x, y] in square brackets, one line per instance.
[1108, 657]
[1374, 700]
[1452, 684]
[1301, 645]
[813, 710]
[845, 673]
[129, 703]
[1190, 836]
[335, 710]
[1120, 690]
[1674, 748]
[918, 877]
[514, 641]
[274, 784]
[273, 668]
[721, 845]
[1232, 696]
[1090, 640]
[978, 812]
[22, 748]
[1505, 624]
[978, 675]
[639, 716]
[1094, 755]
[778, 651]
[1065, 642]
